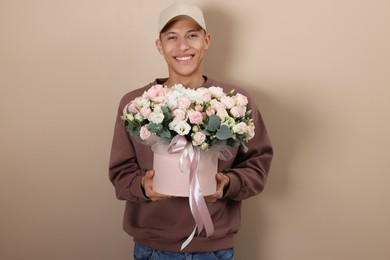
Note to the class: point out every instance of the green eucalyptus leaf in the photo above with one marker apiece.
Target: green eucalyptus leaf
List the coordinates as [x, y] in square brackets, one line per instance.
[213, 123]
[223, 133]
[205, 132]
[134, 131]
[165, 133]
[233, 143]
[167, 112]
[154, 128]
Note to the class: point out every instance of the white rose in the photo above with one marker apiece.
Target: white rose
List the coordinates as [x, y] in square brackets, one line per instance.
[216, 91]
[241, 100]
[156, 117]
[173, 124]
[138, 117]
[240, 128]
[222, 113]
[172, 98]
[142, 102]
[250, 132]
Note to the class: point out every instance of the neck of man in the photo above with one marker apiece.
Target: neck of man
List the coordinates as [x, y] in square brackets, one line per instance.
[189, 82]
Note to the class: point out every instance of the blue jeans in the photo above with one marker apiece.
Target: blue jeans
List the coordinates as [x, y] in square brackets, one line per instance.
[146, 253]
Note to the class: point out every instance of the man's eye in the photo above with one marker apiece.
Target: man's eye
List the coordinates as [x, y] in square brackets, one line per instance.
[193, 35]
[171, 38]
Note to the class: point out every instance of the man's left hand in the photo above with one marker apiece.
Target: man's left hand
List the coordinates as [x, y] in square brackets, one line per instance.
[222, 182]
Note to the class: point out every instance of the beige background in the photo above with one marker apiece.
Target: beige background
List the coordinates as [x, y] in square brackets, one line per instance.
[318, 68]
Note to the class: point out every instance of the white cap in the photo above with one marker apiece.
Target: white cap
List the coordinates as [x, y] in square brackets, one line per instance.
[180, 8]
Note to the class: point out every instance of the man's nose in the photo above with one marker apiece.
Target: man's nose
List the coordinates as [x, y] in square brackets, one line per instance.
[184, 45]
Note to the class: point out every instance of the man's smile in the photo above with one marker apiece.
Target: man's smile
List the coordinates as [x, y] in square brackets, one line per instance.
[184, 58]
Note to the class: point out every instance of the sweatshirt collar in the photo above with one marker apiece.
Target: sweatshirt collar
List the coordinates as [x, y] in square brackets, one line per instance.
[206, 84]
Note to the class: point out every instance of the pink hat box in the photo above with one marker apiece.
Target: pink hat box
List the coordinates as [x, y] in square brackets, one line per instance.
[170, 180]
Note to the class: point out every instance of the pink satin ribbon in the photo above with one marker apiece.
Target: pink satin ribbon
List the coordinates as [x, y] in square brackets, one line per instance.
[198, 205]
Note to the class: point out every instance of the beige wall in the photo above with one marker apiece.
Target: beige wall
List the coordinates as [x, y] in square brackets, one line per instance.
[320, 73]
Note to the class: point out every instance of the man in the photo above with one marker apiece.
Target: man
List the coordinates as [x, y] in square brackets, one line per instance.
[160, 223]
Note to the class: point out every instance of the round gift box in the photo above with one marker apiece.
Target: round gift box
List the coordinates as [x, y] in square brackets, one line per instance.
[170, 180]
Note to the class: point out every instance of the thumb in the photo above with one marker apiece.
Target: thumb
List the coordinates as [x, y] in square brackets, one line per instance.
[150, 173]
[219, 176]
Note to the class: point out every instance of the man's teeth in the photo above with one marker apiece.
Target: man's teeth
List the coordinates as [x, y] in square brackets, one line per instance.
[184, 58]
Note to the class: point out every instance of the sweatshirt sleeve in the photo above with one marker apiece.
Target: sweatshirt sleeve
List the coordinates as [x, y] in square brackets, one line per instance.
[124, 171]
[249, 171]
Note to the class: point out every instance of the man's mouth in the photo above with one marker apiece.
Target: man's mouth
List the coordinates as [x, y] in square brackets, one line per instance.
[184, 58]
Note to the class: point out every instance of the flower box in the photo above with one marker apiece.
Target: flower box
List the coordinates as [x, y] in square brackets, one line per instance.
[169, 179]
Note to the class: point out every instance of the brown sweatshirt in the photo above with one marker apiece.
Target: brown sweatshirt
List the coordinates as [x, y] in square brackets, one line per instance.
[165, 225]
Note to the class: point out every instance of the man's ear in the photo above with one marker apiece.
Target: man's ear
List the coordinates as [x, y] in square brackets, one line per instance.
[159, 46]
[207, 39]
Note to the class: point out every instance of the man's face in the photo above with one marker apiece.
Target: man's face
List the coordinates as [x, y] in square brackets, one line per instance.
[183, 46]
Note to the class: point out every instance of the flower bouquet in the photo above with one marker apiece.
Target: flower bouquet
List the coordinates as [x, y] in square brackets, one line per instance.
[200, 118]
[189, 129]
[204, 116]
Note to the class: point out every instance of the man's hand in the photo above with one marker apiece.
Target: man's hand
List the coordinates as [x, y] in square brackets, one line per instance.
[222, 182]
[147, 185]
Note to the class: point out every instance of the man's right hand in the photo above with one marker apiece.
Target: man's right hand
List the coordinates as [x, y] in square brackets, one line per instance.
[147, 185]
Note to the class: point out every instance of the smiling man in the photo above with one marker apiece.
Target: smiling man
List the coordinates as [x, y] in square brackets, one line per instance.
[183, 42]
[159, 223]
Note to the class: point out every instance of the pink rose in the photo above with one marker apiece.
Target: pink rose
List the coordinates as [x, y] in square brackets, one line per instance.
[183, 103]
[237, 111]
[125, 111]
[133, 107]
[228, 101]
[145, 111]
[179, 115]
[195, 117]
[155, 91]
[199, 107]
[210, 111]
[215, 104]
[206, 97]
[144, 133]
[198, 138]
